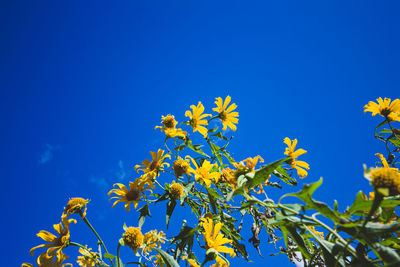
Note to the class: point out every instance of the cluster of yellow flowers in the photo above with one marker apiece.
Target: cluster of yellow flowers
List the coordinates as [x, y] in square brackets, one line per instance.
[385, 180]
[206, 171]
[54, 255]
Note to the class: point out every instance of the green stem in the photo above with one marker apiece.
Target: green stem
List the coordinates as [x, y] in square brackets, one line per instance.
[118, 261]
[159, 184]
[97, 235]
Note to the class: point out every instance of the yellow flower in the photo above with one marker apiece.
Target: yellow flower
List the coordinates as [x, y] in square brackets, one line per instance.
[385, 180]
[75, 205]
[228, 176]
[383, 160]
[159, 261]
[56, 244]
[220, 263]
[246, 166]
[88, 257]
[204, 173]
[133, 195]
[312, 229]
[197, 119]
[169, 127]
[154, 167]
[176, 190]
[390, 111]
[300, 166]
[181, 166]
[214, 239]
[152, 239]
[133, 238]
[226, 114]
[192, 263]
[45, 260]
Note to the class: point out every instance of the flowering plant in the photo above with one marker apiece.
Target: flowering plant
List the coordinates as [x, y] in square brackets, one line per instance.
[221, 192]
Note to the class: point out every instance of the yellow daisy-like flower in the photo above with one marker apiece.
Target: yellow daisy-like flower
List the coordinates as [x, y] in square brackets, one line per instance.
[192, 263]
[181, 167]
[88, 257]
[75, 205]
[204, 173]
[176, 190]
[154, 167]
[45, 260]
[133, 195]
[197, 119]
[133, 238]
[226, 114]
[56, 243]
[390, 111]
[312, 229]
[385, 180]
[151, 240]
[300, 166]
[214, 239]
[169, 127]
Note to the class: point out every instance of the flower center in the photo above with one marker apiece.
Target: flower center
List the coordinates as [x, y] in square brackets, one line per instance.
[223, 115]
[132, 195]
[169, 121]
[385, 112]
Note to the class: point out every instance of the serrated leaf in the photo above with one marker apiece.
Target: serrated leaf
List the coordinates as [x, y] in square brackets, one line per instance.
[168, 259]
[261, 175]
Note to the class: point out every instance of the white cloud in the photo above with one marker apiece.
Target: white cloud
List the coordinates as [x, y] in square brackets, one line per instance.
[48, 153]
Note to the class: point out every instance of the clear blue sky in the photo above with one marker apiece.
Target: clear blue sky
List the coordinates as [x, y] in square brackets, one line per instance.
[84, 83]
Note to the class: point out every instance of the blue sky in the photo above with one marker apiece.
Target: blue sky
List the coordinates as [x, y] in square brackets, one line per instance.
[84, 84]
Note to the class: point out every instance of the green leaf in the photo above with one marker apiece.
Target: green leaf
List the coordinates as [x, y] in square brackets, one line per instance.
[388, 255]
[212, 196]
[144, 211]
[261, 175]
[212, 130]
[228, 156]
[170, 209]
[395, 142]
[306, 195]
[282, 174]
[361, 205]
[108, 256]
[298, 239]
[195, 148]
[215, 150]
[168, 259]
[385, 131]
[184, 239]
[332, 257]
